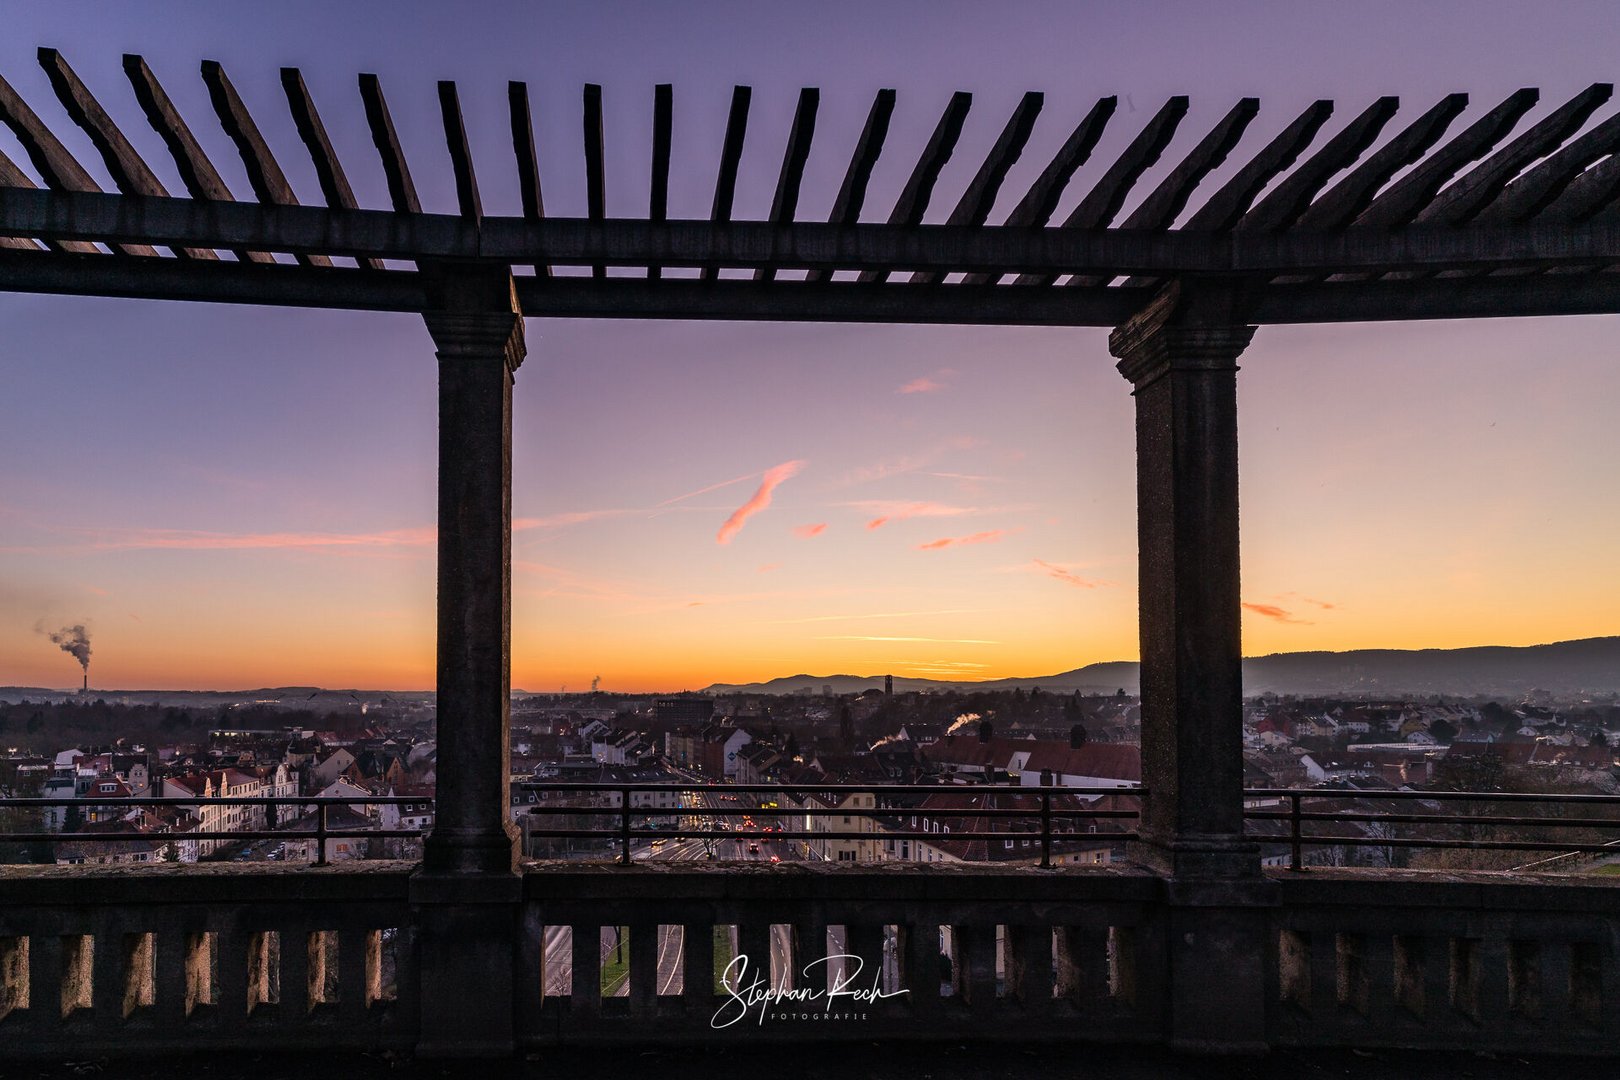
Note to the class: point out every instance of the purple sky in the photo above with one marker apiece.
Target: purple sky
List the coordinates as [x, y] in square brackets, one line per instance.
[236, 496]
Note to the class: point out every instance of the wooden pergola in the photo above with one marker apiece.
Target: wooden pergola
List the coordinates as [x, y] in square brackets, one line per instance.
[1424, 223]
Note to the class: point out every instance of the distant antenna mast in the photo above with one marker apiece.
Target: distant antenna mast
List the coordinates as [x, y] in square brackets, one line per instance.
[596, 680]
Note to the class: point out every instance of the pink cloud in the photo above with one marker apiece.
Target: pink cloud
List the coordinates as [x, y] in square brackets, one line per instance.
[988, 537]
[805, 532]
[895, 511]
[1272, 611]
[761, 499]
[927, 384]
[1065, 576]
[765, 568]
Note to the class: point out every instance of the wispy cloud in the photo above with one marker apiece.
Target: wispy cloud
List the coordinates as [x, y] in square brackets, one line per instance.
[888, 511]
[934, 640]
[711, 487]
[805, 532]
[1272, 611]
[1066, 576]
[877, 615]
[195, 540]
[990, 536]
[1323, 604]
[765, 568]
[928, 384]
[761, 498]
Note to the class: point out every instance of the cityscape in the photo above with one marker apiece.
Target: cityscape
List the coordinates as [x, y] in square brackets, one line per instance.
[915, 539]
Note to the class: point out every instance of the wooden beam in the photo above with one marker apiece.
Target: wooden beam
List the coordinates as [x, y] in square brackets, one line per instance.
[264, 174]
[342, 288]
[912, 204]
[1351, 195]
[658, 189]
[1531, 193]
[1406, 197]
[1286, 202]
[197, 172]
[725, 184]
[528, 160]
[396, 170]
[1587, 195]
[595, 183]
[1166, 202]
[851, 196]
[101, 217]
[455, 137]
[1105, 198]
[785, 203]
[1232, 200]
[328, 169]
[1035, 209]
[55, 165]
[1479, 188]
[974, 207]
[13, 177]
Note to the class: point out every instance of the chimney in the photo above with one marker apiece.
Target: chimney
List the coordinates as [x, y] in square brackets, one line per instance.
[85, 689]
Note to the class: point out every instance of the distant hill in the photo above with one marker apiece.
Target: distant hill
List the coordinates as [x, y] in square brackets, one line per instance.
[1590, 664]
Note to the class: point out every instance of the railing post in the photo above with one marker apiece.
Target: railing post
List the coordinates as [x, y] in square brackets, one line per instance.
[320, 835]
[1046, 827]
[624, 826]
[1295, 862]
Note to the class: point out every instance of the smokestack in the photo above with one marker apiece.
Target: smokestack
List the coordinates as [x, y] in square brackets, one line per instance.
[75, 641]
[85, 689]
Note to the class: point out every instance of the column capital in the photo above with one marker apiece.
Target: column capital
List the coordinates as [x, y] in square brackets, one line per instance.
[1182, 329]
[474, 311]
[459, 334]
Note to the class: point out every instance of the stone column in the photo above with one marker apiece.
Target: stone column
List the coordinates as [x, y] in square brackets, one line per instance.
[1180, 354]
[478, 332]
[1183, 365]
[467, 897]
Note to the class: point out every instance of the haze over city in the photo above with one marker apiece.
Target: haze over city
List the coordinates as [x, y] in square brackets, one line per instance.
[241, 496]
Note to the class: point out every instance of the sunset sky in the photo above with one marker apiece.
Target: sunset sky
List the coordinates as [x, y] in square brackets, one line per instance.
[237, 496]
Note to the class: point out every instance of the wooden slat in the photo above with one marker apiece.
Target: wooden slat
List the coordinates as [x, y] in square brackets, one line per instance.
[528, 160]
[1289, 199]
[124, 164]
[1477, 190]
[1411, 193]
[401, 189]
[197, 172]
[725, 183]
[851, 196]
[785, 203]
[974, 207]
[1345, 200]
[264, 174]
[455, 137]
[1035, 209]
[1587, 194]
[663, 124]
[1160, 209]
[1538, 187]
[595, 186]
[912, 204]
[59, 169]
[1227, 206]
[328, 169]
[1106, 197]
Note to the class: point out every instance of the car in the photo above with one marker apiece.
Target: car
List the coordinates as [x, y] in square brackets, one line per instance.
[753, 849]
[776, 858]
